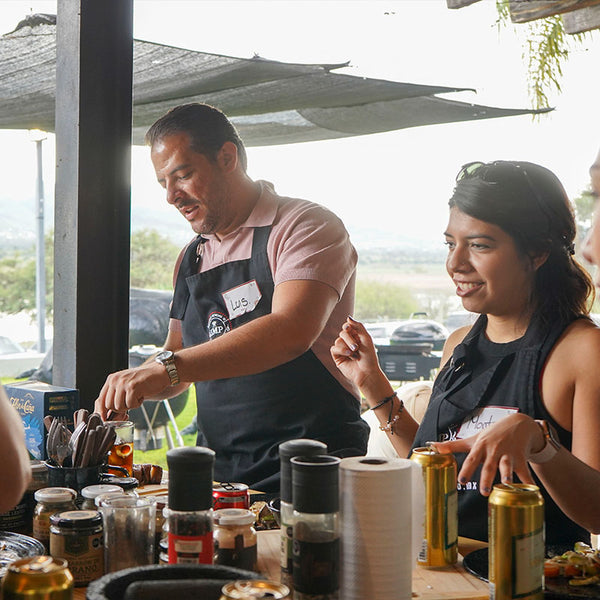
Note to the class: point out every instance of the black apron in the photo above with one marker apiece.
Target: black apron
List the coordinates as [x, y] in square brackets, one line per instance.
[511, 379]
[244, 419]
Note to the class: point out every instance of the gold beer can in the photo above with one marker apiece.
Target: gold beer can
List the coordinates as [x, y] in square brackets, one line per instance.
[516, 542]
[39, 578]
[258, 588]
[440, 541]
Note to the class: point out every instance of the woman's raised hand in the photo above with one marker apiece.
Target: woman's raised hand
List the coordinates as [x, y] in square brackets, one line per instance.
[354, 353]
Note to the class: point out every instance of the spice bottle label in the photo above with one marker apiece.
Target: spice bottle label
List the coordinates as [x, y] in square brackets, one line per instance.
[84, 553]
[187, 549]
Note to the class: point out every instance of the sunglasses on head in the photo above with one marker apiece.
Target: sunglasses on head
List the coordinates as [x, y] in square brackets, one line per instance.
[478, 169]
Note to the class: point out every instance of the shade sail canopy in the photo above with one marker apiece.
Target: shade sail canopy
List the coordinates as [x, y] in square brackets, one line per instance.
[270, 102]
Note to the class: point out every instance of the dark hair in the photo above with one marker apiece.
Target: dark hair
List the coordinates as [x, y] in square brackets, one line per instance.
[529, 203]
[206, 125]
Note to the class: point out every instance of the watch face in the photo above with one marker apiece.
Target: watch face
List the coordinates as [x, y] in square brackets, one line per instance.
[165, 355]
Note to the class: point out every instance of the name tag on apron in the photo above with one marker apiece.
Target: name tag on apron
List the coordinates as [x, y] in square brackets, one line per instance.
[483, 418]
[242, 299]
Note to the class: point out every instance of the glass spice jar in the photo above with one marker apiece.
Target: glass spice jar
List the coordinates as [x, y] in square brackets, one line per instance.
[235, 538]
[77, 537]
[50, 500]
[162, 501]
[163, 544]
[91, 492]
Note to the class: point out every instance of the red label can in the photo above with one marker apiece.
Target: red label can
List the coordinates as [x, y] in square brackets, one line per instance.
[231, 495]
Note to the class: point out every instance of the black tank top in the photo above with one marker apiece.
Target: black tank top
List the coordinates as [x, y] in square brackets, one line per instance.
[482, 382]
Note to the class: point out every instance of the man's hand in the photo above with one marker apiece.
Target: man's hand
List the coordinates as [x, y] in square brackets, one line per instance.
[129, 388]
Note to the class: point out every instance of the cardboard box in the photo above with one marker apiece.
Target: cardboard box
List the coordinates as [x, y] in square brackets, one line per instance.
[34, 400]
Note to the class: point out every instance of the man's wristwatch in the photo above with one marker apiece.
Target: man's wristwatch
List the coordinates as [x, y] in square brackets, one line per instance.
[552, 444]
[167, 359]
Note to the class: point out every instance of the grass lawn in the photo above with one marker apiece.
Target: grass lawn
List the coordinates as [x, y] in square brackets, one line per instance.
[159, 457]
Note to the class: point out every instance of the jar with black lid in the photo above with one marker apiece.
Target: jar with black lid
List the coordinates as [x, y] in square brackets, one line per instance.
[50, 500]
[127, 484]
[76, 536]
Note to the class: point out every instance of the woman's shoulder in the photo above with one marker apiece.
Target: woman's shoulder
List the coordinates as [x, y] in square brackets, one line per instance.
[584, 327]
[579, 343]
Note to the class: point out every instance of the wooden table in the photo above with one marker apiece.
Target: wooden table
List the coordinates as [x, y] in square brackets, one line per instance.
[452, 583]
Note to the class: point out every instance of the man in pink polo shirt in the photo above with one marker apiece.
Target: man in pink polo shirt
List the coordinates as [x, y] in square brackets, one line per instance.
[260, 295]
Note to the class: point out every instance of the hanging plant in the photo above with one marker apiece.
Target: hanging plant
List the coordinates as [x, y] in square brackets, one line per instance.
[545, 52]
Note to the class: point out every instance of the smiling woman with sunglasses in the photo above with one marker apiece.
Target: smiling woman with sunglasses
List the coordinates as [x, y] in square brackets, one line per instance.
[518, 394]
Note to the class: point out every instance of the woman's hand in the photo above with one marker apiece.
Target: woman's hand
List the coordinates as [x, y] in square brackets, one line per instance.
[504, 447]
[354, 353]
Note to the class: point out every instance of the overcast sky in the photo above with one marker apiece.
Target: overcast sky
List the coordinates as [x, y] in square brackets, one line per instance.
[397, 182]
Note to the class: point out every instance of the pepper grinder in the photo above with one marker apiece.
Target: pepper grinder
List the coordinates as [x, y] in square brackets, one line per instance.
[287, 451]
[316, 537]
[190, 512]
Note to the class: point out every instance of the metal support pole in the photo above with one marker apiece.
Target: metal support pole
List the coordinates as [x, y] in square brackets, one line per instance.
[94, 50]
[40, 263]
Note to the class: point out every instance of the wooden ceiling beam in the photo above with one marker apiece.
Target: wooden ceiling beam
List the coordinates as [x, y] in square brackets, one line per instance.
[522, 11]
[580, 21]
[459, 3]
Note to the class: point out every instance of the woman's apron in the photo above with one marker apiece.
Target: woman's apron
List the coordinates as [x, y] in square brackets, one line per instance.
[466, 399]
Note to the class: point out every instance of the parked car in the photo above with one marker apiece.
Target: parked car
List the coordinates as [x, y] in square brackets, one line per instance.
[14, 359]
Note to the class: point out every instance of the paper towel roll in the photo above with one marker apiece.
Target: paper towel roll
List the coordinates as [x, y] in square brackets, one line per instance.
[381, 511]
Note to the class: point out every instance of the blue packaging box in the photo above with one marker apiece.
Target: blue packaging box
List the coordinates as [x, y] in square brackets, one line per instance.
[34, 400]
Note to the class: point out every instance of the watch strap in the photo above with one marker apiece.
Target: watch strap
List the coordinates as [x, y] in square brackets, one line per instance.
[168, 361]
[552, 444]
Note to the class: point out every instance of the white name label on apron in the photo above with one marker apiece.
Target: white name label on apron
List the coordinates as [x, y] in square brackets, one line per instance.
[483, 418]
[242, 299]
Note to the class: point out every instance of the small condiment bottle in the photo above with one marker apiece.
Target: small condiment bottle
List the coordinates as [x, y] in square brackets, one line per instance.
[50, 500]
[235, 538]
[162, 501]
[76, 536]
[190, 515]
[163, 545]
[90, 493]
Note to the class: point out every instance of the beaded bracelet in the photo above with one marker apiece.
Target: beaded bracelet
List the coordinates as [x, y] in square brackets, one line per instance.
[389, 426]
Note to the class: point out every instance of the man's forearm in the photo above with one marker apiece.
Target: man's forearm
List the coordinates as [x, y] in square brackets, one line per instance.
[256, 347]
